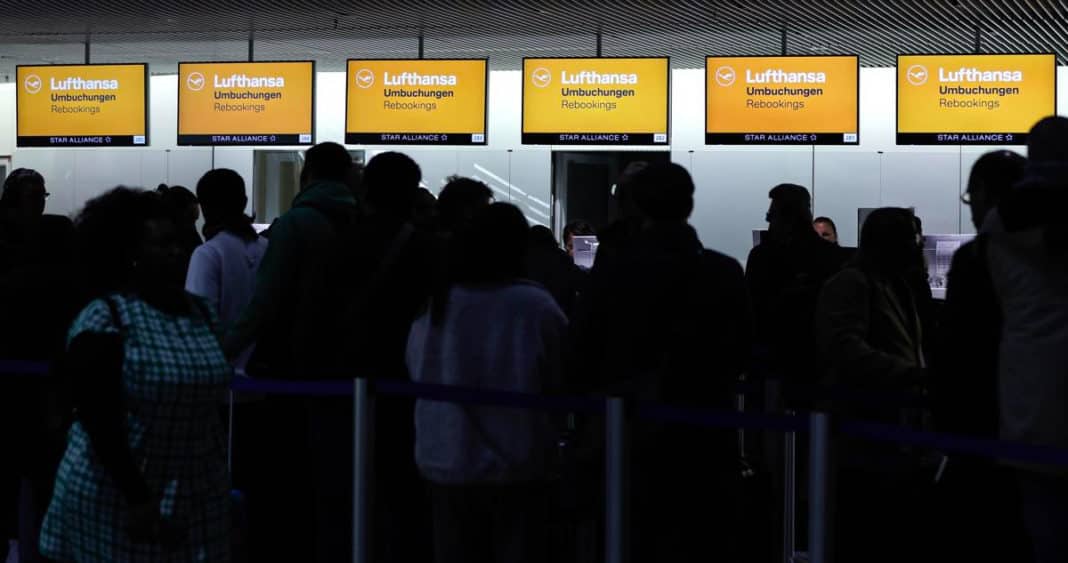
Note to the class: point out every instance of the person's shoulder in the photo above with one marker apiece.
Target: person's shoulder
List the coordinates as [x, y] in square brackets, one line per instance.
[102, 314]
[721, 261]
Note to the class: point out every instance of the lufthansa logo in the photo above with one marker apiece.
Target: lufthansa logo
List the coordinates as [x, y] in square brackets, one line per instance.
[916, 75]
[365, 78]
[725, 76]
[32, 83]
[541, 77]
[195, 81]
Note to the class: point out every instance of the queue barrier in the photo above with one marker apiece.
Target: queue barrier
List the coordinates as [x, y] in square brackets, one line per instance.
[819, 425]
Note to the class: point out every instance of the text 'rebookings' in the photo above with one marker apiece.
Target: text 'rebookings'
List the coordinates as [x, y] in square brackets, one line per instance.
[82, 105]
[240, 103]
[416, 102]
[602, 101]
[781, 100]
[973, 99]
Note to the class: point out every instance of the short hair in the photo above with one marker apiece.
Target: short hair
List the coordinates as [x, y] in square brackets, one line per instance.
[826, 221]
[391, 180]
[329, 162]
[791, 196]
[222, 193]
[995, 173]
[1048, 140]
[664, 192]
[460, 199]
[110, 230]
[576, 228]
[542, 236]
[15, 182]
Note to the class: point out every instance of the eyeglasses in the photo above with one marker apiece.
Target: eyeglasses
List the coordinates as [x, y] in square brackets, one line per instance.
[966, 198]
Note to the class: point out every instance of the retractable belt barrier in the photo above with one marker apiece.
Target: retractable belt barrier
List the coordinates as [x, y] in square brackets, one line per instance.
[819, 425]
[967, 445]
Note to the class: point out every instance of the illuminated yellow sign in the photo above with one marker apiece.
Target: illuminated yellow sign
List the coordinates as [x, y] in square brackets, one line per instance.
[416, 102]
[601, 101]
[82, 105]
[781, 100]
[973, 99]
[246, 103]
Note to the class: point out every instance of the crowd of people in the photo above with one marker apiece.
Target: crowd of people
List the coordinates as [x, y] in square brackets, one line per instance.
[121, 453]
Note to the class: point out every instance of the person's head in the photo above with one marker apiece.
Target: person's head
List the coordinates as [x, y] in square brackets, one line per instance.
[623, 190]
[460, 200]
[24, 193]
[1047, 142]
[127, 239]
[575, 229]
[542, 237]
[663, 193]
[391, 181]
[184, 206]
[888, 241]
[826, 228]
[791, 207]
[492, 247]
[325, 162]
[222, 196]
[991, 178]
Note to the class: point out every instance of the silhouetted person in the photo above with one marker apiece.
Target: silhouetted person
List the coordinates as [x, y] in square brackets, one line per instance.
[1027, 252]
[392, 274]
[298, 319]
[144, 474]
[785, 273]
[665, 319]
[185, 211]
[223, 269]
[618, 237]
[39, 297]
[870, 333]
[826, 228]
[965, 383]
[550, 266]
[488, 467]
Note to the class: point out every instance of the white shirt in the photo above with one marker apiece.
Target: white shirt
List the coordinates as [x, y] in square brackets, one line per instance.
[223, 271]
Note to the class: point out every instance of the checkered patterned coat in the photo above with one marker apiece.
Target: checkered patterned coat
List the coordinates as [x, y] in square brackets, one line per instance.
[175, 377]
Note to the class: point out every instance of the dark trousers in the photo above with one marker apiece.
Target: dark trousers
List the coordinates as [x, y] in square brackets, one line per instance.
[1044, 499]
[492, 523]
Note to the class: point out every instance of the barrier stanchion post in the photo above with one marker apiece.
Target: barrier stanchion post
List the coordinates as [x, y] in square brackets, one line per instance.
[789, 497]
[361, 469]
[615, 530]
[230, 435]
[819, 471]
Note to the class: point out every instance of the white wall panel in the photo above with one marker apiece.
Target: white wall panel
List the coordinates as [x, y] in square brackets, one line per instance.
[732, 182]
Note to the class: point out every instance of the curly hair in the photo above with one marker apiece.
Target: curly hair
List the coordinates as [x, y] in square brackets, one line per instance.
[110, 230]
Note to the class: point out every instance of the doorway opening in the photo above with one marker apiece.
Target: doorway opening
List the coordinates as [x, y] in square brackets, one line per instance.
[583, 182]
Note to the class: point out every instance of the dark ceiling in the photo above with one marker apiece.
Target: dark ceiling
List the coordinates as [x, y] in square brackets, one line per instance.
[329, 31]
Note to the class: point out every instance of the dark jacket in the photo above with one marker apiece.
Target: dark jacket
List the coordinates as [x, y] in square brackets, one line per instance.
[965, 374]
[550, 266]
[295, 314]
[665, 310]
[870, 335]
[784, 278]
